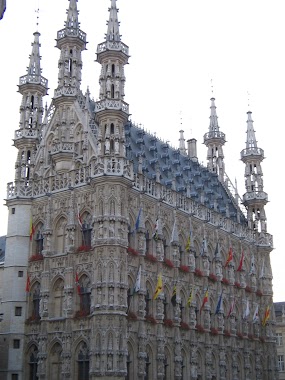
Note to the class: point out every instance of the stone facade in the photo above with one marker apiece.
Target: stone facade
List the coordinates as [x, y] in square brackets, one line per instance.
[100, 211]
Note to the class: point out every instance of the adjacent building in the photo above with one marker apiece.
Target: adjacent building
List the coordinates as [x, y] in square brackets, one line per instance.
[127, 258]
[279, 308]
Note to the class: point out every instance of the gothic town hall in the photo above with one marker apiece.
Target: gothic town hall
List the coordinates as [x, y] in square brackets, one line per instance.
[125, 257]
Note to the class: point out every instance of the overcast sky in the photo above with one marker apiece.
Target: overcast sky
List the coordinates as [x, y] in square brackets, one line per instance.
[183, 52]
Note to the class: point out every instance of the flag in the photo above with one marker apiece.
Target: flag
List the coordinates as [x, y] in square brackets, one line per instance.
[229, 258]
[155, 232]
[77, 283]
[158, 288]
[241, 262]
[190, 298]
[28, 284]
[79, 219]
[246, 312]
[262, 270]
[32, 229]
[231, 308]
[174, 236]
[137, 224]
[138, 280]
[173, 297]
[266, 316]
[255, 317]
[218, 308]
[188, 243]
[205, 300]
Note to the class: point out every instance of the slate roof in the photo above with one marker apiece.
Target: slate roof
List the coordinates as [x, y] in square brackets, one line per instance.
[174, 165]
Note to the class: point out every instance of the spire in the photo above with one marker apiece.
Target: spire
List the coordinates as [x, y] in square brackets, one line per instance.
[34, 68]
[214, 127]
[113, 33]
[71, 41]
[251, 143]
[72, 15]
[255, 198]
[182, 148]
[214, 141]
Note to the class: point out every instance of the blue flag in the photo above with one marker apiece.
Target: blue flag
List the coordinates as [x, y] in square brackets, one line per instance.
[218, 308]
[138, 220]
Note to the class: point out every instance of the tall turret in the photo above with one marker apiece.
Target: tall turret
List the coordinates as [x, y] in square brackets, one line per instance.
[111, 110]
[255, 198]
[214, 141]
[33, 86]
[71, 41]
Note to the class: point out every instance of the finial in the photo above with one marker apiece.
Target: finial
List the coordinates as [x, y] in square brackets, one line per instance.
[37, 11]
[248, 100]
[212, 88]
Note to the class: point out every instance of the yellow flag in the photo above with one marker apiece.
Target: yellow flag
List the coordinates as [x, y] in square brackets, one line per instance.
[188, 244]
[190, 298]
[266, 316]
[159, 287]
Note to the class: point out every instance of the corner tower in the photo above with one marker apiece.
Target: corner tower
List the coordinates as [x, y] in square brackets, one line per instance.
[71, 41]
[255, 198]
[214, 141]
[33, 87]
[111, 110]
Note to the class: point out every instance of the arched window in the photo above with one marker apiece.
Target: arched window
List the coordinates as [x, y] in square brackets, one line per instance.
[113, 70]
[83, 362]
[60, 235]
[112, 91]
[129, 362]
[55, 367]
[35, 309]
[147, 242]
[33, 363]
[56, 302]
[147, 303]
[39, 242]
[183, 365]
[85, 295]
[131, 369]
[167, 375]
[148, 364]
[112, 128]
[86, 234]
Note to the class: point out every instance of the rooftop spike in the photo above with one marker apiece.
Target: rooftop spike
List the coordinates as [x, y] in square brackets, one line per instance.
[213, 117]
[35, 58]
[113, 33]
[251, 142]
[72, 15]
[182, 148]
[214, 141]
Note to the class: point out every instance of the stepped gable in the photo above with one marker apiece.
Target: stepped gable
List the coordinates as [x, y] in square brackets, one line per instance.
[172, 164]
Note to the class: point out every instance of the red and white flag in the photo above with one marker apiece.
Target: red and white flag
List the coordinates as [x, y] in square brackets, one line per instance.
[79, 217]
[241, 262]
